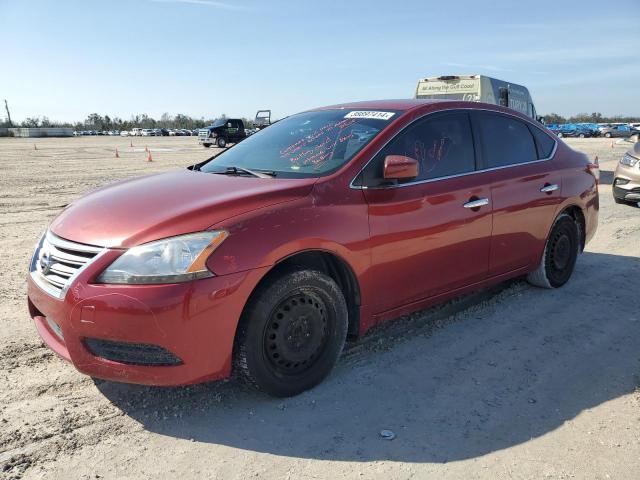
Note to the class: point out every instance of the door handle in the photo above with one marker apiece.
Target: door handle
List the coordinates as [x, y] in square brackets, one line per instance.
[549, 188]
[480, 202]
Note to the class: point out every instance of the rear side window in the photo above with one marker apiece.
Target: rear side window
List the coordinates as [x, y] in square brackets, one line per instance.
[544, 143]
[442, 145]
[505, 140]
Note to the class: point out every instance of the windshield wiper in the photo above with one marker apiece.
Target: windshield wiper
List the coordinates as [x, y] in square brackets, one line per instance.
[255, 173]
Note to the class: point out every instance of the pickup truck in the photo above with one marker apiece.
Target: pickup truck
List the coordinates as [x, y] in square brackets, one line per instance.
[222, 132]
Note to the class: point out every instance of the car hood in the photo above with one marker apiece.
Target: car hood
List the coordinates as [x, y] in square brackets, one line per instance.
[148, 208]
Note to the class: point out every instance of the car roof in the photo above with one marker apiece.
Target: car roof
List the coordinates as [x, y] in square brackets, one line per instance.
[401, 104]
[406, 105]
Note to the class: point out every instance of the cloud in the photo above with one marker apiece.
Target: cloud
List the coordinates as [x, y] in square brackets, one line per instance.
[207, 3]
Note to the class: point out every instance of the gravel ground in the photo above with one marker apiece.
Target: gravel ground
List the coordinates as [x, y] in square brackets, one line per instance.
[512, 382]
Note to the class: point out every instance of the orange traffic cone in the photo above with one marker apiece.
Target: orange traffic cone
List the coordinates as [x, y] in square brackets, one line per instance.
[146, 149]
[117, 154]
[149, 158]
[131, 143]
[611, 143]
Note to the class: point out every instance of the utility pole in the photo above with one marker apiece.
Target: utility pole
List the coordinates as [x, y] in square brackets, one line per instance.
[6, 107]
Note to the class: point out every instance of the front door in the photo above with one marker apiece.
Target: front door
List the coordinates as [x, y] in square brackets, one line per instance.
[427, 235]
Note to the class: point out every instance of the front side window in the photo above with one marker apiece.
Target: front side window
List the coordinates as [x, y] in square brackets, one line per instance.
[309, 144]
[505, 140]
[442, 144]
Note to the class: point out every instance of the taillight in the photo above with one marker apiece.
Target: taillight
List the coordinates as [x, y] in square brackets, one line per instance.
[594, 169]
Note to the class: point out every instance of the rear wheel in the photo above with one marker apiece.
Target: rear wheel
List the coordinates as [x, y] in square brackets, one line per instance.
[608, 135]
[560, 134]
[206, 145]
[222, 142]
[291, 333]
[560, 254]
[582, 135]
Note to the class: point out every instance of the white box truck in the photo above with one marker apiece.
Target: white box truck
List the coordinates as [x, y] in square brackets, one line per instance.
[477, 88]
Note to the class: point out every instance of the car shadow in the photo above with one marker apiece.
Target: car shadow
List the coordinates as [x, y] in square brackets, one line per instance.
[452, 383]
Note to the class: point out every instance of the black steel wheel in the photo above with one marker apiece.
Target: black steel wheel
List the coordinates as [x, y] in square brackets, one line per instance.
[296, 333]
[291, 332]
[560, 254]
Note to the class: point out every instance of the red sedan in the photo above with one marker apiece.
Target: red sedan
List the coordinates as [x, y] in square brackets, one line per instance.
[264, 258]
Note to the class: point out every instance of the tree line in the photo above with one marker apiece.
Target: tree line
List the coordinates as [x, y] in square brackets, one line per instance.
[104, 122]
[595, 117]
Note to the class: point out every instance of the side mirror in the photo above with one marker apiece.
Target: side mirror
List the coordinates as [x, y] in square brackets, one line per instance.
[397, 167]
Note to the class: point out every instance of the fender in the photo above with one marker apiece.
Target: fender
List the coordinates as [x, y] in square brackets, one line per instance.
[265, 237]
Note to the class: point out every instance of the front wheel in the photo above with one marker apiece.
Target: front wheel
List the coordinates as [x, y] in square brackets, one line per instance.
[608, 135]
[560, 135]
[582, 135]
[291, 333]
[206, 145]
[222, 142]
[560, 255]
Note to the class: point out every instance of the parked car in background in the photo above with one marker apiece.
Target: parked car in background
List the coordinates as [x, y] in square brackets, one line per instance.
[571, 130]
[136, 132]
[626, 179]
[263, 258]
[591, 127]
[617, 131]
[148, 132]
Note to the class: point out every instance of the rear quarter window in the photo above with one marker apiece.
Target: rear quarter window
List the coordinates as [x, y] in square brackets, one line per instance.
[505, 140]
[544, 142]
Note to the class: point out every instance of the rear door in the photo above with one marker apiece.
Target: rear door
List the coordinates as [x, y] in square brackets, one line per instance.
[426, 237]
[525, 187]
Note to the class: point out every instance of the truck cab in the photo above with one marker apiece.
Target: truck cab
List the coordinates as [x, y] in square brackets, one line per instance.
[222, 132]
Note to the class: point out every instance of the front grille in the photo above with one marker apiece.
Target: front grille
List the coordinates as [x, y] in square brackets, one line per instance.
[56, 261]
[131, 353]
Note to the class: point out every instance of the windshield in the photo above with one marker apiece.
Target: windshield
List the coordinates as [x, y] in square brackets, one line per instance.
[309, 144]
[218, 122]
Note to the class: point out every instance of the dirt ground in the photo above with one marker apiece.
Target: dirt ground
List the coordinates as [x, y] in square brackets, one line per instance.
[515, 382]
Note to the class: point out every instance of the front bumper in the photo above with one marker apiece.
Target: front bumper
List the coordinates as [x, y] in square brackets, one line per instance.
[194, 321]
[626, 189]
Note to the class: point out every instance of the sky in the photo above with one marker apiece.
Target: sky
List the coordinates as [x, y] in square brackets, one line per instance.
[67, 59]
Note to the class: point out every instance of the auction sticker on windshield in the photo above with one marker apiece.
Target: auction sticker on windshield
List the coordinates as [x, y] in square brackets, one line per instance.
[370, 114]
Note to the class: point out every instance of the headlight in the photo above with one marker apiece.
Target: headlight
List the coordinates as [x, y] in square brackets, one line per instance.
[628, 160]
[171, 260]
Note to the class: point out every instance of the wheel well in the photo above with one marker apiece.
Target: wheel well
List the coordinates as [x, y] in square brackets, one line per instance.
[576, 213]
[332, 266]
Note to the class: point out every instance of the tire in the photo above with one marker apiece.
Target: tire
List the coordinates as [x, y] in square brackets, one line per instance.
[607, 135]
[560, 135]
[222, 142]
[291, 333]
[560, 254]
[582, 135]
[206, 145]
